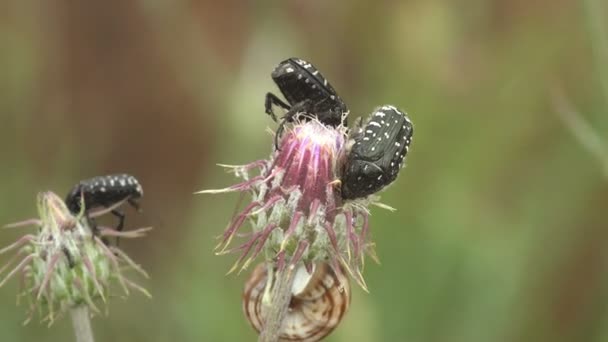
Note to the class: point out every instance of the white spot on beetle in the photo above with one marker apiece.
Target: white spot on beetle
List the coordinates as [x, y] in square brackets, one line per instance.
[380, 114]
[374, 123]
[288, 69]
[103, 189]
[397, 144]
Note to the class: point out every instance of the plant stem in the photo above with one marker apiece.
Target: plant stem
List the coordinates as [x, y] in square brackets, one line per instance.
[82, 324]
[277, 308]
[599, 41]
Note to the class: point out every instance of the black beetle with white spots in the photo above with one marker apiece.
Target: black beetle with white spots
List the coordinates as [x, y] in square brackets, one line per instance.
[377, 153]
[104, 191]
[308, 94]
[378, 149]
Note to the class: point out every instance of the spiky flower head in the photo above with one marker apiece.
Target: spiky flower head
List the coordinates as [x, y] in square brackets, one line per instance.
[66, 264]
[296, 211]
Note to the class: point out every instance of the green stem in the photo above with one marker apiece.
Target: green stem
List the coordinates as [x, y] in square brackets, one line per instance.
[599, 40]
[276, 310]
[82, 324]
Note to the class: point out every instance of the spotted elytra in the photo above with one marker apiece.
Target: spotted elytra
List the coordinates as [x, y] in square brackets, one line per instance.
[308, 95]
[104, 191]
[378, 153]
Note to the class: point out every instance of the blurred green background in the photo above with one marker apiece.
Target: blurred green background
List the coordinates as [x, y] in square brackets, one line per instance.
[501, 229]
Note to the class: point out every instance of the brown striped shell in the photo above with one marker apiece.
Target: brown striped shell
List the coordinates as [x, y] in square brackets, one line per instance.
[319, 301]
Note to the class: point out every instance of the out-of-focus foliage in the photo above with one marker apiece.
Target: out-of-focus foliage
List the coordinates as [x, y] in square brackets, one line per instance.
[500, 233]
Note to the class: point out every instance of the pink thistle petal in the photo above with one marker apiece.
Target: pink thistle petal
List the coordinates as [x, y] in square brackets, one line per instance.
[87, 298]
[123, 256]
[332, 237]
[314, 207]
[236, 224]
[18, 268]
[100, 212]
[137, 287]
[22, 241]
[269, 203]
[9, 262]
[91, 269]
[308, 266]
[130, 234]
[114, 261]
[297, 255]
[331, 199]
[262, 240]
[50, 269]
[24, 223]
[365, 226]
[295, 220]
[244, 186]
[247, 246]
[281, 260]
[354, 239]
[246, 167]
[289, 189]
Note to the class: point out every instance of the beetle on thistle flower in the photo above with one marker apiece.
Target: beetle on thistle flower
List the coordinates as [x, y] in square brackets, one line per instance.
[66, 265]
[310, 199]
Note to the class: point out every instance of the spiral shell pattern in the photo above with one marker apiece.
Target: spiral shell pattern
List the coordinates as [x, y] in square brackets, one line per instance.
[319, 301]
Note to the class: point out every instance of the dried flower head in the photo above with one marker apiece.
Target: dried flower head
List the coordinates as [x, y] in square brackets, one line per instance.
[297, 212]
[66, 264]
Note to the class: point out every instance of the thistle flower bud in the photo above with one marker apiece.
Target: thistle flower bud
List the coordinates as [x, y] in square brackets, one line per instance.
[66, 264]
[297, 212]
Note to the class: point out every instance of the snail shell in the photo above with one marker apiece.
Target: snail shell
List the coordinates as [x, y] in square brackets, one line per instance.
[318, 303]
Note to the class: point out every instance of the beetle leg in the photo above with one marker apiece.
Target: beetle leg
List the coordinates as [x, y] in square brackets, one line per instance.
[134, 204]
[295, 111]
[121, 219]
[272, 99]
[278, 134]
